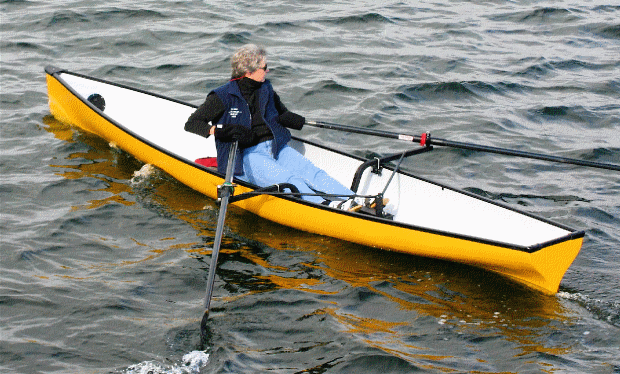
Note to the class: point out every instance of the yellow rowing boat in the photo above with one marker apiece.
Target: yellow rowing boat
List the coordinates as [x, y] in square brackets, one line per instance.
[423, 218]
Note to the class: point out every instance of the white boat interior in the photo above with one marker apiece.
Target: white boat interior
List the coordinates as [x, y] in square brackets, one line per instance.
[412, 201]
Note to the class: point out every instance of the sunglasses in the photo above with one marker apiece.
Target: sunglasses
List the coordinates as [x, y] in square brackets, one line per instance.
[264, 67]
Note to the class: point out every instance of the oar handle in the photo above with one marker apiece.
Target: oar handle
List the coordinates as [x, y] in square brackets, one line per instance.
[427, 140]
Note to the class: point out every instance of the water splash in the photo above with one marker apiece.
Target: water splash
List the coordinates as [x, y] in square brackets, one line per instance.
[191, 363]
[143, 174]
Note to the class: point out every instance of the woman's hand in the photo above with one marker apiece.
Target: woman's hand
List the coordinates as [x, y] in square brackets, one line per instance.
[291, 120]
[233, 132]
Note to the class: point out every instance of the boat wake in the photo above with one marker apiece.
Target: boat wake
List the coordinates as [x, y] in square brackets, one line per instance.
[191, 363]
[604, 310]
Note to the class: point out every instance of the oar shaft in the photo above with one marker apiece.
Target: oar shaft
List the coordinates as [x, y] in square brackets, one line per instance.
[359, 130]
[512, 152]
[461, 145]
[219, 230]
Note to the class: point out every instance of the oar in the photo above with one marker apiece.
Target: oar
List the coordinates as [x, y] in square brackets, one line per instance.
[224, 191]
[425, 139]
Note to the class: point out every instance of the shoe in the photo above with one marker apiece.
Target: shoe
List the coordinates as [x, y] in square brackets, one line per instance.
[349, 205]
[374, 203]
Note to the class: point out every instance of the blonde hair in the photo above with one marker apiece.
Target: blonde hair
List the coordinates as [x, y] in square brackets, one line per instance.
[247, 59]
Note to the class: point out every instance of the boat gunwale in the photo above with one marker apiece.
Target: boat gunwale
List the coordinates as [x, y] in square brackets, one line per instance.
[573, 234]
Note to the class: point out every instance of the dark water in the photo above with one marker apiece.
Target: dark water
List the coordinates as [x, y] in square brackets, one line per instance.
[103, 269]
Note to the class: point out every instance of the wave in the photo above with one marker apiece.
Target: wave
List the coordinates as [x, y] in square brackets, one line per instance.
[331, 86]
[128, 14]
[611, 32]
[607, 8]
[65, 17]
[434, 91]
[509, 197]
[230, 38]
[141, 71]
[171, 67]
[130, 44]
[548, 13]
[359, 19]
[580, 116]
[540, 15]
[601, 216]
[574, 64]
[602, 154]
[543, 67]
[18, 2]
[21, 46]
[68, 18]
[471, 90]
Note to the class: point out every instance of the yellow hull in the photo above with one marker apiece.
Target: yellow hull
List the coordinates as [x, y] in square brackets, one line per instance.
[542, 268]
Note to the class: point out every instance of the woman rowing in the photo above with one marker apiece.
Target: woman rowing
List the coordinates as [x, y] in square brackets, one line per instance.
[248, 110]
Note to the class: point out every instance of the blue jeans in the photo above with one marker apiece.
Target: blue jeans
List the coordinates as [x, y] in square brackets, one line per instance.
[262, 169]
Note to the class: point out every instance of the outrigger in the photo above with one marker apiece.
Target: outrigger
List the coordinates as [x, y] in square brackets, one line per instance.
[423, 218]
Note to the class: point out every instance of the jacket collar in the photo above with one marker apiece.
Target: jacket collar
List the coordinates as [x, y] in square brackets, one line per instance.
[233, 87]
